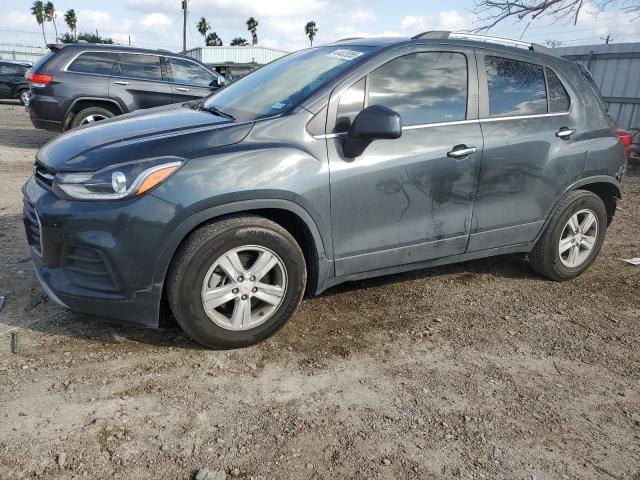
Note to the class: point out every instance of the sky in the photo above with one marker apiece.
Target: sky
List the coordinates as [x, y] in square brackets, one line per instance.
[158, 23]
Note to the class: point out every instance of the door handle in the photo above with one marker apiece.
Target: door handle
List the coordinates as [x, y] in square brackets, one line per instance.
[460, 151]
[182, 89]
[120, 82]
[565, 133]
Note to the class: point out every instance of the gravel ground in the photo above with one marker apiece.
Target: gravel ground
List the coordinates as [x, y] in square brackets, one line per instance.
[478, 370]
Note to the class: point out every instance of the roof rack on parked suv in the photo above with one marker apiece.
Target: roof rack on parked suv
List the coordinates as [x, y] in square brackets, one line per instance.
[442, 34]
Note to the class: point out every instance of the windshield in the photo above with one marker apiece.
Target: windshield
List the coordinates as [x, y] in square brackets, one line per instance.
[283, 84]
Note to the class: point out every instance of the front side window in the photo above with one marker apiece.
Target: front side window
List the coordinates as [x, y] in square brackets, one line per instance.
[558, 97]
[143, 67]
[98, 63]
[189, 73]
[428, 87]
[350, 104]
[515, 88]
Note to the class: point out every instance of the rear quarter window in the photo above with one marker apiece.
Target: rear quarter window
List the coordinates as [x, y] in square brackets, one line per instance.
[558, 97]
[98, 63]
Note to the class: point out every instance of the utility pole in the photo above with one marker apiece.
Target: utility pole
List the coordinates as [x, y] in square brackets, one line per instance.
[184, 25]
[606, 39]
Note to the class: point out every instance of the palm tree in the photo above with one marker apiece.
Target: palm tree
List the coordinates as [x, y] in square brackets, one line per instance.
[252, 26]
[239, 42]
[72, 22]
[213, 40]
[37, 10]
[50, 16]
[203, 27]
[311, 30]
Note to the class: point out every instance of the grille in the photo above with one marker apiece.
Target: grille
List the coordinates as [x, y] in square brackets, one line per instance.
[43, 175]
[32, 226]
[86, 268]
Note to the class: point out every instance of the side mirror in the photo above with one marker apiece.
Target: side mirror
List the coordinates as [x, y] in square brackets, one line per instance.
[218, 82]
[373, 123]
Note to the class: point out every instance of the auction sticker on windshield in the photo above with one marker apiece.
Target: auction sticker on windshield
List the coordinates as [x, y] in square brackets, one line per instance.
[344, 54]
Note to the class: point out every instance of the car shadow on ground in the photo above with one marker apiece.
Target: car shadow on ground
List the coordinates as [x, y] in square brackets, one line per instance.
[169, 333]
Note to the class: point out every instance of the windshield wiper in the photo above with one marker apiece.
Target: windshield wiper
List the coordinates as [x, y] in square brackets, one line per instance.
[218, 112]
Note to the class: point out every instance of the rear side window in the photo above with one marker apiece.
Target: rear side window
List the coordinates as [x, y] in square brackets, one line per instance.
[189, 73]
[428, 87]
[143, 67]
[558, 96]
[515, 88]
[98, 63]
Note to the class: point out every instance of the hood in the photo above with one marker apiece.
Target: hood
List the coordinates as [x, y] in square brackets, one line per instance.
[166, 131]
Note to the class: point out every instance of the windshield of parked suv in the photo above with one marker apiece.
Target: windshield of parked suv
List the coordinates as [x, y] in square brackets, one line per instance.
[283, 84]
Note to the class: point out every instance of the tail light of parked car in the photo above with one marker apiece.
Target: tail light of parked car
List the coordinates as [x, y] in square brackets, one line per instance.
[38, 79]
[627, 140]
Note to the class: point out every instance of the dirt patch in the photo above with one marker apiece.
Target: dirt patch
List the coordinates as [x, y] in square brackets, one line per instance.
[477, 370]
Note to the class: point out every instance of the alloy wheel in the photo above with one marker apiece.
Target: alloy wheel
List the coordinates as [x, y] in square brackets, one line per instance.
[92, 119]
[244, 287]
[578, 238]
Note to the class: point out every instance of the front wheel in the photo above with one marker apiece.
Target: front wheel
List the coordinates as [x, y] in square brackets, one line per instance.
[572, 239]
[235, 282]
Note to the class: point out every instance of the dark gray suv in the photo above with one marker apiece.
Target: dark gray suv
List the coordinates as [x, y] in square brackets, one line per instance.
[76, 84]
[341, 162]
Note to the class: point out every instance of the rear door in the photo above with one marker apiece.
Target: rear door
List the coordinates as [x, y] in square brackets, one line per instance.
[190, 80]
[535, 147]
[140, 82]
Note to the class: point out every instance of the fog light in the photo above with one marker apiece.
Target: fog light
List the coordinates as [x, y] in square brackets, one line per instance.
[119, 182]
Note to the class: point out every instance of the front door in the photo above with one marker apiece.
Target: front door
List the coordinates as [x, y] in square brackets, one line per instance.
[410, 199]
[190, 80]
[140, 82]
[535, 147]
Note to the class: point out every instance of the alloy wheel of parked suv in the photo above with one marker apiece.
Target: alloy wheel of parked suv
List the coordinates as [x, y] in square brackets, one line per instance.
[573, 237]
[23, 96]
[91, 115]
[236, 281]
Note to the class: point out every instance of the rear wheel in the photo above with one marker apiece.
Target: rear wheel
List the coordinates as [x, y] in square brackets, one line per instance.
[23, 96]
[572, 239]
[236, 282]
[91, 115]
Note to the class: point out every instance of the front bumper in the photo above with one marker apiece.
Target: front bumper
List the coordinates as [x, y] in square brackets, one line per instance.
[99, 258]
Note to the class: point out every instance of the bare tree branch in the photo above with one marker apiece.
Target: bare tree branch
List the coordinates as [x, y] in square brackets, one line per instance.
[492, 12]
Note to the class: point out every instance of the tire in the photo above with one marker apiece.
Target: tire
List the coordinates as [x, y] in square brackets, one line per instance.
[546, 257]
[91, 115]
[197, 260]
[23, 96]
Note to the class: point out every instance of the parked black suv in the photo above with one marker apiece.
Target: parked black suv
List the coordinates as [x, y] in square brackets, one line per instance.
[336, 163]
[12, 80]
[76, 84]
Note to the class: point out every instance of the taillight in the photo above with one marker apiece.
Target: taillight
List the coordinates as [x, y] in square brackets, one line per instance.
[39, 79]
[627, 140]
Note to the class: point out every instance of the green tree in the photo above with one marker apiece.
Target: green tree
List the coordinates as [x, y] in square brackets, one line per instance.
[203, 27]
[72, 22]
[252, 26]
[37, 10]
[311, 30]
[239, 42]
[50, 16]
[213, 40]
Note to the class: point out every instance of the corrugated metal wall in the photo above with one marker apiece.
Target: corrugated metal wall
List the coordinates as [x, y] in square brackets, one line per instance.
[616, 70]
[21, 52]
[259, 55]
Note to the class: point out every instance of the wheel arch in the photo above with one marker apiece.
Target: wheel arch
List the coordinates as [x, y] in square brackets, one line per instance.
[607, 188]
[289, 215]
[81, 103]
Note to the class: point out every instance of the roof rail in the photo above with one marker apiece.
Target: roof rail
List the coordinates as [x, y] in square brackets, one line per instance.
[437, 34]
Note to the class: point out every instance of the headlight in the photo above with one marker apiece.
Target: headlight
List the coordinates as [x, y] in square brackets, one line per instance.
[118, 181]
